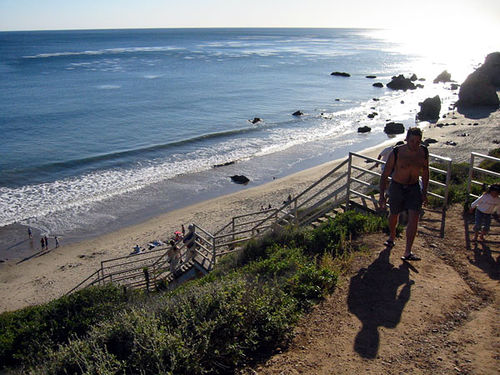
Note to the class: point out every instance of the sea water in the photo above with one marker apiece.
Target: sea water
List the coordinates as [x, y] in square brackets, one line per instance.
[105, 128]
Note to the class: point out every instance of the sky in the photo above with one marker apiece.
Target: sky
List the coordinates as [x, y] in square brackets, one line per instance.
[437, 15]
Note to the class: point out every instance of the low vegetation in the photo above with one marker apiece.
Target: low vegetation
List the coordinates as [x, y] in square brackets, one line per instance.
[235, 315]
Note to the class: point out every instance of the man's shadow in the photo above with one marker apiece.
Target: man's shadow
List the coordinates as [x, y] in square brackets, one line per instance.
[374, 299]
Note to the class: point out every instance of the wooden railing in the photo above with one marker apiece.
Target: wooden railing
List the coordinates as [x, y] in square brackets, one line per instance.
[351, 178]
[474, 157]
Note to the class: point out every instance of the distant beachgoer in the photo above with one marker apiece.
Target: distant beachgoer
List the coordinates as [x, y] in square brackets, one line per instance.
[30, 233]
[183, 230]
[269, 207]
[173, 254]
[57, 241]
[384, 154]
[190, 240]
[42, 242]
[46, 242]
[485, 206]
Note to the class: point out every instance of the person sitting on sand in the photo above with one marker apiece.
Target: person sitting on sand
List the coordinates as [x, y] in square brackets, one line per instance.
[486, 205]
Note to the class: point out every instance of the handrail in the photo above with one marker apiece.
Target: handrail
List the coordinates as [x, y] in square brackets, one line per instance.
[473, 169]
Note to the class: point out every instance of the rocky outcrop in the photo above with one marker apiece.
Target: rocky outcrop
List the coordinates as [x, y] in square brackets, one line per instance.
[372, 115]
[378, 84]
[444, 76]
[340, 74]
[429, 109]
[401, 83]
[240, 179]
[479, 88]
[364, 129]
[255, 120]
[394, 128]
[297, 113]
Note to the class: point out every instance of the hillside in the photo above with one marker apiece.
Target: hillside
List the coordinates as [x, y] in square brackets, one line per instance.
[436, 316]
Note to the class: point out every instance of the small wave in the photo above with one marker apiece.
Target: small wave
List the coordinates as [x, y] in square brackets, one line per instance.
[110, 51]
[109, 87]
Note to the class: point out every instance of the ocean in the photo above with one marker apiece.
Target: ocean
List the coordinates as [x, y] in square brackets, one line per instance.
[106, 128]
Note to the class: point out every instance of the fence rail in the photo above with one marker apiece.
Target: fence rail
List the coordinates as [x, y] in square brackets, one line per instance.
[350, 178]
[474, 156]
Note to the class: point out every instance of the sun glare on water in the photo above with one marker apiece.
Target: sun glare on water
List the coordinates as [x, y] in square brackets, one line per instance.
[459, 42]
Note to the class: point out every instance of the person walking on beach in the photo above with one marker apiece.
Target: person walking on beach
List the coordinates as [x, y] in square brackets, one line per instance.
[190, 241]
[30, 233]
[42, 242]
[46, 242]
[57, 241]
[406, 164]
[485, 206]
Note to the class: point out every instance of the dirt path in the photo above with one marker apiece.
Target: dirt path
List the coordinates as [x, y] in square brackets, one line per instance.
[436, 316]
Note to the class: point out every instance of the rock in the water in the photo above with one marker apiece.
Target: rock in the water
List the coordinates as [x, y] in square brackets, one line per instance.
[413, 77]
[255, 120]
[378, 84]
[364, 129]
[240, 179]
[371, 76]
[372, 115]
[224, 164]
[401, 83]
[429, 109]
[444, 76]
[394, 128]
[297, 113]
[340, 74]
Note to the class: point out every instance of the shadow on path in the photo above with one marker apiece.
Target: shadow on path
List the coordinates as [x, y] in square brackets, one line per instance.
[374, 299]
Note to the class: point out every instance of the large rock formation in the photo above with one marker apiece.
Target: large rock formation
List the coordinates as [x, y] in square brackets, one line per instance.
[401, 83]
[429, 109]
[364, 129]
[479, 88]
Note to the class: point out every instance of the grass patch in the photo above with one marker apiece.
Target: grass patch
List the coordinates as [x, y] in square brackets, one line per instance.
[237, 314]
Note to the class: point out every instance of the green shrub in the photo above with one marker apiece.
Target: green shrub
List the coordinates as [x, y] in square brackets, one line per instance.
[29, 332]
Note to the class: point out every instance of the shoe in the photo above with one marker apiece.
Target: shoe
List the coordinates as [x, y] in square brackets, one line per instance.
[410, 257]
[389, 243]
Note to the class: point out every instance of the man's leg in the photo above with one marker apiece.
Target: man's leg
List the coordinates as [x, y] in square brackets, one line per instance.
[411, 230]
[393, 222]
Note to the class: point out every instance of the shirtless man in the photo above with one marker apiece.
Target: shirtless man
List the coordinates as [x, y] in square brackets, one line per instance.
[406, 163]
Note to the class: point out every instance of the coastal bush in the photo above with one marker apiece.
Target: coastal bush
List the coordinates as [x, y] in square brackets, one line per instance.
[210, 325]
[29, 332]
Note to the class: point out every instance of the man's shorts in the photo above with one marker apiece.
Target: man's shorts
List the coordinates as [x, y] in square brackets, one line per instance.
[404, 197]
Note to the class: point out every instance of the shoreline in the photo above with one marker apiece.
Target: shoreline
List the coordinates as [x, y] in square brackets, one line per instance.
[44, 276]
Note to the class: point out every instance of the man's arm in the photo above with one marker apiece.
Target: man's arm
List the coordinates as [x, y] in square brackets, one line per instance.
[389, 166]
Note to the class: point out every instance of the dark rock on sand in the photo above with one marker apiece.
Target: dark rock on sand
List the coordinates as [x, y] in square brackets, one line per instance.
[255, 120]
[429, 109]
[364, 129]
[297, 113]
[451, 143]
[429, 141]
[454, 86]
[240, 179]
[479, 88]
[378, 84]
[372, 115]
[394, 128]
[375, 99]
[444, 76]
[413, 77]
[340, 74]
[419, 86]
[401, 83]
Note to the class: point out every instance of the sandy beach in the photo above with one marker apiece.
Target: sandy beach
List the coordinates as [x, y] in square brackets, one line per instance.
[42, 277]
